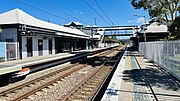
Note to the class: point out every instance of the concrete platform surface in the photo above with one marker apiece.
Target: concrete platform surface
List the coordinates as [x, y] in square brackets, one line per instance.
[130, 83]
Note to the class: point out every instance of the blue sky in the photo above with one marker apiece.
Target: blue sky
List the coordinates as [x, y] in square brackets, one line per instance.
[119, 11]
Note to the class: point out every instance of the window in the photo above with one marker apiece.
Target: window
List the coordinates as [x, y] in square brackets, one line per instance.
[9, 40]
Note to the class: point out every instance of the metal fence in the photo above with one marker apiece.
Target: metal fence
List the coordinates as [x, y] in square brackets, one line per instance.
[9, 51]
[2, 51]
[164, 53]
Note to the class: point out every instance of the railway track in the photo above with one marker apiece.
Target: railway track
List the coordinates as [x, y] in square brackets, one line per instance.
[86, 90]
[12, 93]
[62, 79]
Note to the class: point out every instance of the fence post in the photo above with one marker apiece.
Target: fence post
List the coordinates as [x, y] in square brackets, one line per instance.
[16, 44]
[5, 51]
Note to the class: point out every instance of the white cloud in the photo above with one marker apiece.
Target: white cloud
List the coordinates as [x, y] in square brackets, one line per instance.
[140, 20]
[80, 12]
[130, 21]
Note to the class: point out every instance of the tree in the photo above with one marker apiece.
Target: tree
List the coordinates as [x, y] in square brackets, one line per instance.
[163, 10]
[112, 39]
[174, 28]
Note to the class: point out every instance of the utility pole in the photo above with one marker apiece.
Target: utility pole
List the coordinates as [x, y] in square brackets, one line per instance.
[1, 30]
[95, 21]
[144, 25]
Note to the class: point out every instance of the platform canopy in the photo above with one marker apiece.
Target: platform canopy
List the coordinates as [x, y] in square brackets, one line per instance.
[155, 27]
[17, 16]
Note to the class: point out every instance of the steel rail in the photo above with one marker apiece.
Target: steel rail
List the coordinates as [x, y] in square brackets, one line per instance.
[105, 79]
[47, 84]
[41, 78]
[34, 80]
[88, 79]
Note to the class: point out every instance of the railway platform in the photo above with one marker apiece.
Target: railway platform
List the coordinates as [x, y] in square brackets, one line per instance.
[18, 65]
[138, 79]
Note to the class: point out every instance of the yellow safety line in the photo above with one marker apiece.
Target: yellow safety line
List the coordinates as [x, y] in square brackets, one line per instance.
[129, 68]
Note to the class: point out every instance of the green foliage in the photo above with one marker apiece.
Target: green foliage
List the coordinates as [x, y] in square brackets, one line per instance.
[161, 9]
[174, 29]
[112, 39]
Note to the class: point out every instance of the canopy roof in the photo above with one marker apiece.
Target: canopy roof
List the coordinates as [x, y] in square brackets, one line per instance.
[17, 16]
[155, 27]
[75, 23]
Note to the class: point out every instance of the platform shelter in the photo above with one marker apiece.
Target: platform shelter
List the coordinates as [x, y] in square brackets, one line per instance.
[36, 37]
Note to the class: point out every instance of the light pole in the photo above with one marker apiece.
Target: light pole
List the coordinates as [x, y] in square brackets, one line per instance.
[144, 29]
[95, 21]
[92, 32]
[136, 31]
[1, 30]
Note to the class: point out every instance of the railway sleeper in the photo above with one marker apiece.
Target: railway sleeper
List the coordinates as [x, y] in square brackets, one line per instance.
[63, 79]
[84, 92]
[6, 99]
[73, 99]
[88, 89]
[92, 87]
[91, 83]
[77, 96]
[94, 82]
[89, 86]
[39, 93]
[50, 86]
[31, 98]
[45, 90]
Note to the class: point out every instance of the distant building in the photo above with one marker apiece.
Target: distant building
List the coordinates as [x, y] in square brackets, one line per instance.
[77, 25]
[149, 32]
[154, 32]
[91, 31]
[35, 37]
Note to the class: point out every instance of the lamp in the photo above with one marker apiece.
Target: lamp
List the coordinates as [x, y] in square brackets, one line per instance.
[144, 26]
[44, 37]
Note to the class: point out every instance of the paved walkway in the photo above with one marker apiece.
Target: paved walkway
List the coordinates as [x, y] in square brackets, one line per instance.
[164, 86]
[130, 83]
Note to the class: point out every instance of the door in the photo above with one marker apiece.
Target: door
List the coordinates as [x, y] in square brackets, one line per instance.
[40, 47]
[29, 47]
[50, 46]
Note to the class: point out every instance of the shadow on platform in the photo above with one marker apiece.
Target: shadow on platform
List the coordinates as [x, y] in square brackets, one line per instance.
[154, 76]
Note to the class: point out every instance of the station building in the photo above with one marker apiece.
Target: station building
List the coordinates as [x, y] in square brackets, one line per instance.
[34, 37]
[92, 31]
[149, 32]
[154, 32]
[77, 25]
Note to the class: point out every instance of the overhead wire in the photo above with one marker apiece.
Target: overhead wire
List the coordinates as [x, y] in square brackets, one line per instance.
[103, 12]
[96, 12]
[42, 10]
[64, 12]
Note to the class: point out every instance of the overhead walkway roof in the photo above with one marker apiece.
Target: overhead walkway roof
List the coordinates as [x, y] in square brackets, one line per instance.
[17, 16]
